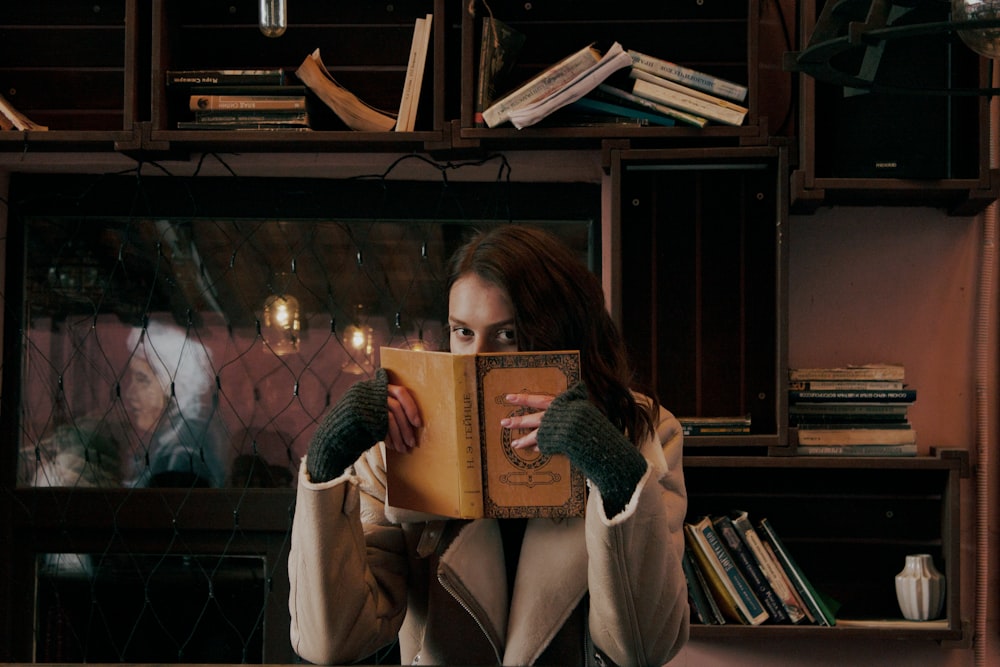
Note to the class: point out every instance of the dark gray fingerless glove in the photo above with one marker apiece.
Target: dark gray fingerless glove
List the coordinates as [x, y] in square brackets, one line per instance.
[356, 422]
[574, 426]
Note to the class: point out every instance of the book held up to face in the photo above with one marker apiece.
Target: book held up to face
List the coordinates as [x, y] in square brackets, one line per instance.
[464, 465]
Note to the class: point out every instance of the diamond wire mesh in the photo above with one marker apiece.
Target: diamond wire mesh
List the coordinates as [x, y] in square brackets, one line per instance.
[121, 312]
[237, 415]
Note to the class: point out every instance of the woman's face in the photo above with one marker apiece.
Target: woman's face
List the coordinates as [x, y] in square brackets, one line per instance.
[145, 398]
[480, 317]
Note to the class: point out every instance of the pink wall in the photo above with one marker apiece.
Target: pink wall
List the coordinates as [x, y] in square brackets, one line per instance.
[886, 284]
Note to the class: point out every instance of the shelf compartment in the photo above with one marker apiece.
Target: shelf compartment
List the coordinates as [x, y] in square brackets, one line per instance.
[72, 67]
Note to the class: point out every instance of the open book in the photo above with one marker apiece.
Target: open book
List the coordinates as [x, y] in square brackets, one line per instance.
[463, 465]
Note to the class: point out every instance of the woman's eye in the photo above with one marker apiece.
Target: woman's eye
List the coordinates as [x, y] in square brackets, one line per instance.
[506, 336]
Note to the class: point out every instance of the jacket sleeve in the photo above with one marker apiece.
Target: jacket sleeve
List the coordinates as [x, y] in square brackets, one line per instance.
[347, 593]
[639, 611]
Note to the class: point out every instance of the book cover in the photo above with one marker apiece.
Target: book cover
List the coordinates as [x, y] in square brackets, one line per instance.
[703, 607]
[685, 102]
[463, 465]
[878, 371]
[542, 85]
[713, 555]
[407, 117]
[355, 113]
[612, 109]
[770, 568]
[747, 562]
[499, 45]
[817, 605]
[225, 77]
[691, 77]
[856, 436]
[852, 396]
[857, 450]
[612, 93]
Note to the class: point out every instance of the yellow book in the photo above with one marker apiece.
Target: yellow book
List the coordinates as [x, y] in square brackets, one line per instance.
[463, 465]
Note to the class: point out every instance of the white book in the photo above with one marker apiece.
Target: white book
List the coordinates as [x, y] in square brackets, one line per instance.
[691, 77]
[612, 61]
[542, 85]
[687, 90]
[407, 117]
[689, 103]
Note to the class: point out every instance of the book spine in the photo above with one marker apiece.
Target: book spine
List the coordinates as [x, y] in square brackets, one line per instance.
[690, 77]
[657, 93]
[844, 385]
[796, 575]
[539, 87]
[247, 102]
[721, 592]
[715, 429]
[852, 396]
[405, 118]
[770, 568]
[687, 90]
[225, 77]
[676, 114]
[857, 450]
[748, 565]
[856, 436]
[469, 435]
[869, 373]
[626, 112]
[746, 600]
[697, 595]
[897, 411]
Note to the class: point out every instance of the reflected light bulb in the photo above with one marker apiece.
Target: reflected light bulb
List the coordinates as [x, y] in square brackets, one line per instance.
[273, 19]
[984, 41]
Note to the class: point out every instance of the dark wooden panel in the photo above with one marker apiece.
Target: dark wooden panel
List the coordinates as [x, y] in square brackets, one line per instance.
[700, 287]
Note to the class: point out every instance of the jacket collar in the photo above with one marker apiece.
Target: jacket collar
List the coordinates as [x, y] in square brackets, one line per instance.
[551, 581]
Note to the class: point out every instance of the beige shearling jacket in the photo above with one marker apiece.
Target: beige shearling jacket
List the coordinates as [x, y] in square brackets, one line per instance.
[363, 574]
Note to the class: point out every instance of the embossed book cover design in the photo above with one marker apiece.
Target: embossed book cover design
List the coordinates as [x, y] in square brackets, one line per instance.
[464, 465]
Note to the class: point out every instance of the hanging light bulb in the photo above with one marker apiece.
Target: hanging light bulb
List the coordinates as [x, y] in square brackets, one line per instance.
[281, 325]
[273, 19]
[984, 41]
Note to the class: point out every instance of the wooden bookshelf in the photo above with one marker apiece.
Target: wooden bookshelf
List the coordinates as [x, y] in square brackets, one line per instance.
[849, 524]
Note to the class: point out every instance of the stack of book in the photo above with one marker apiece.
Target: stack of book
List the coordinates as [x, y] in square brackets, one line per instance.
[742, 573]
[654, 91]
[226, 99]
[851, 411]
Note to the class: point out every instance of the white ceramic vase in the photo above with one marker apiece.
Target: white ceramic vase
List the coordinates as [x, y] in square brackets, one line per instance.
[920, 588]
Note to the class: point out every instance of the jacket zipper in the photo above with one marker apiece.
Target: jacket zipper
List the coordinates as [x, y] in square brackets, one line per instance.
[457, 598]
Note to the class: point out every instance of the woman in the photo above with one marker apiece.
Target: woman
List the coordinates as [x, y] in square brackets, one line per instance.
[167, 395]
[604, 589]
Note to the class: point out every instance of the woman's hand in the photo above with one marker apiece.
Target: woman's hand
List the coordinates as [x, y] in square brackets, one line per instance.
[530, 421]
[404, 419]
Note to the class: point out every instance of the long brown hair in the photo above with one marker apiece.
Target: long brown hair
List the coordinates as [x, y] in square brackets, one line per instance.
[558, 305]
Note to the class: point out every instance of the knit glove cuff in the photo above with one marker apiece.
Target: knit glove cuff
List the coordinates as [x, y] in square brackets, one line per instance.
[574, 426]
[357, 421]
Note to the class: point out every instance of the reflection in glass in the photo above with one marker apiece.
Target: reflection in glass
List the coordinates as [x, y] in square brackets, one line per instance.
[143, 367]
